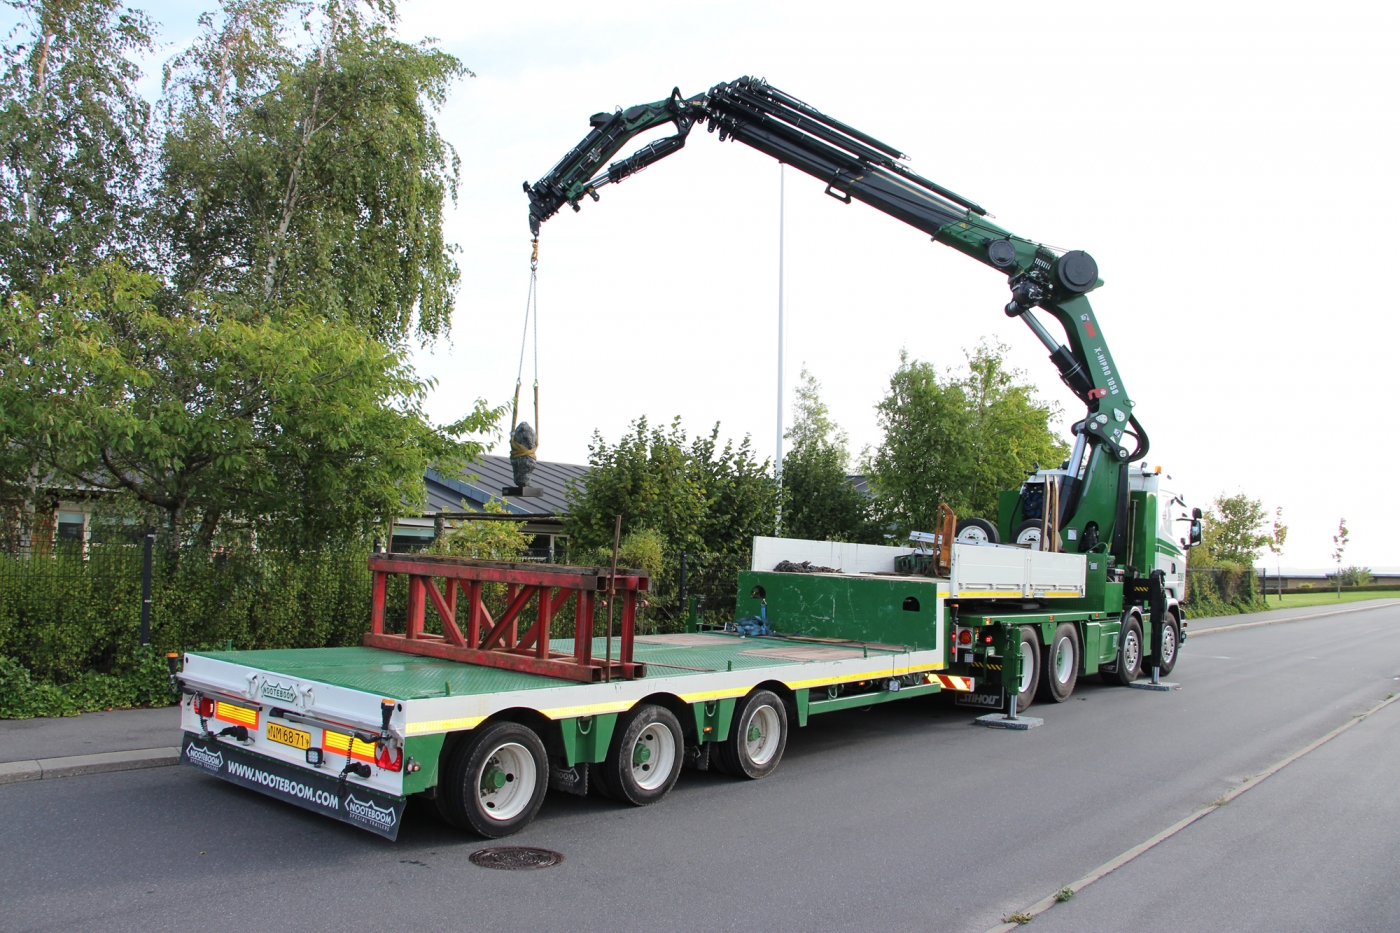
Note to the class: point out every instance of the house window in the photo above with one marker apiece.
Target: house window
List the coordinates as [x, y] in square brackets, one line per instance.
[70, 526]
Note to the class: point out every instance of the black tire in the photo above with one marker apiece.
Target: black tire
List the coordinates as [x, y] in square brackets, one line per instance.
[978, 529]
[496, 780]
[1171, 646]
[1128, 666]
[645, 759]
[757, 737]
[1059, 668]
[1028, 532]
[1030, 671]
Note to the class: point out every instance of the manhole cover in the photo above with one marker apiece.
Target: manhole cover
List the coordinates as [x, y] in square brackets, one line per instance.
[515, 858]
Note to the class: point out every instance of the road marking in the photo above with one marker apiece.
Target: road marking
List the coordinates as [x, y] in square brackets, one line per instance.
[1197, 633]
[1041, 906]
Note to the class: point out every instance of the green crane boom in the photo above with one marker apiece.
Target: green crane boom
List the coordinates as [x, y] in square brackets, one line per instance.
[856, 166]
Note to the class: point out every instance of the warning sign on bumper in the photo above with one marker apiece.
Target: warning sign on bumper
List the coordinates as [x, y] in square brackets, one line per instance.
[350, 802]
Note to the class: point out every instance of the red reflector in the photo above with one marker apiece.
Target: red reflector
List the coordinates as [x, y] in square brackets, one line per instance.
[390, 759]
[988, 639]
[965, 637]
[203, 706]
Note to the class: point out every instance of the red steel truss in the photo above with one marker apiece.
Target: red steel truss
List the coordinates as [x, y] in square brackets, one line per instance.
[496, 642]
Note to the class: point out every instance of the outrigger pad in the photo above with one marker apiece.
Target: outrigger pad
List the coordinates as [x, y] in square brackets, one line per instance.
[1161, 685]
[999, 721]
[320, 792]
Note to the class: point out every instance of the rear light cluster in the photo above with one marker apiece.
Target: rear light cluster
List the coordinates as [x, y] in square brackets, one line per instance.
[202, 707]
[964, 636]
[389, 758]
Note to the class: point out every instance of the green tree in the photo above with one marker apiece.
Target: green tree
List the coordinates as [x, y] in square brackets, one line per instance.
[1339, 547]
[310, 171]
[295, 427]
[958, 438]
[1277, 537]
[1234, 533]
[698, 495]
[819, 501]
[72, 137]
[488, 540]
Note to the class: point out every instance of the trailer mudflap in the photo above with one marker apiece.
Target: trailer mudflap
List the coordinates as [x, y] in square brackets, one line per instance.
[352, 803]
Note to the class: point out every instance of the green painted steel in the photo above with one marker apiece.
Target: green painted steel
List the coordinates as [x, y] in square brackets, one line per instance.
[426, 750]
[861, 609]
[803, 699]
[587, 737]
[413, 677]
[862, 700]
[1007, 502]
[713, 718]
[384, 673]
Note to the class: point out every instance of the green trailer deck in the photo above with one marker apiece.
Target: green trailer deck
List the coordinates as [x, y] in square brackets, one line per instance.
[311, 718]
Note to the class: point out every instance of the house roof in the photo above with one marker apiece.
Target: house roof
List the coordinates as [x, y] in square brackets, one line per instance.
[486, 477]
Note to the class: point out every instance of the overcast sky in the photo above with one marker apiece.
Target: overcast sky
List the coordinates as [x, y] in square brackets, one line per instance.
[1231, 166]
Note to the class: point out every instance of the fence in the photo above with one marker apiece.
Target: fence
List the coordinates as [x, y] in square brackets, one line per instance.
[68, 610]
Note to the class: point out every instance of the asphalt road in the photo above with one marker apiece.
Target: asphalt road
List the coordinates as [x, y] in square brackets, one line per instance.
[904, 817]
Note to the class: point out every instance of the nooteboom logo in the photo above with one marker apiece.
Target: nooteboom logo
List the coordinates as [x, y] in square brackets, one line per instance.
[370, 812]
[205, 758]
[278, 692]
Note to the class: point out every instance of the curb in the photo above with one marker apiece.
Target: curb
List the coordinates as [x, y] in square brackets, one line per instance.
[14, 772]
[1316, 615]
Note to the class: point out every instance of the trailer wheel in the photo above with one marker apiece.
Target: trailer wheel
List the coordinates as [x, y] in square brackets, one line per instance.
[1030, 668]
[1129, 664]
[496, 780]
[645, 758]
[1171, 643]
[1059, 671]
[978, 531]
[757, 738]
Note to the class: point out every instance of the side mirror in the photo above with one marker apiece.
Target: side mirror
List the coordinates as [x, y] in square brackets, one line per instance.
[1195, 532]
[1196, 514]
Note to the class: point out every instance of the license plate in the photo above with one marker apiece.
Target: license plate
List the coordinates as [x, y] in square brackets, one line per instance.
[293, 737]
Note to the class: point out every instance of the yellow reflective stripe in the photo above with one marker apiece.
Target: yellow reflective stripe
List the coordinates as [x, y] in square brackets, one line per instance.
[241, 715]
[443, 725]
[590, 709]
[992, 594]
[849, 678]
[1063, 593]
[724, 694]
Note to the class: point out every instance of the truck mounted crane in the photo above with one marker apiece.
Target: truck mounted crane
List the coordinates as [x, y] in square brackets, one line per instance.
[1093, 495]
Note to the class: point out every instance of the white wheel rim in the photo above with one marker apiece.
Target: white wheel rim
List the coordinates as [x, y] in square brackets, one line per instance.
[1130, 651]
[1064, 661]
[974, 533]
[653, 757]
[1030, 536]
[763, 731]
[1027, 668]
[1168, 644]
[506, 781]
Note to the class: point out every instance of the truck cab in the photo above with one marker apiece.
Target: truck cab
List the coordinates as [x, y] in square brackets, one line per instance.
[1161, 528]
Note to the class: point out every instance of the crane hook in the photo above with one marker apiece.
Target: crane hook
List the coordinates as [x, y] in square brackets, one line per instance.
[534, 253]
